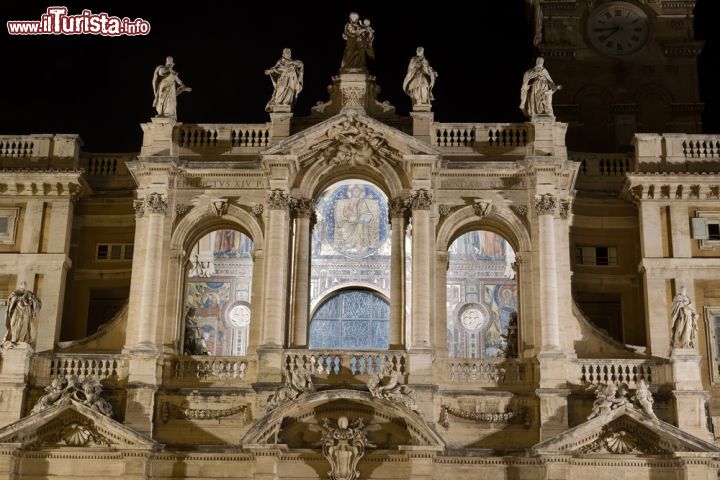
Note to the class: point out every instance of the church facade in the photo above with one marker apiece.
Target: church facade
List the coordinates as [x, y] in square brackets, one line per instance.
[357, 294]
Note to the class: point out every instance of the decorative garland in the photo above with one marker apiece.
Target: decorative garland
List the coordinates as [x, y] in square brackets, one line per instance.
[522, 414]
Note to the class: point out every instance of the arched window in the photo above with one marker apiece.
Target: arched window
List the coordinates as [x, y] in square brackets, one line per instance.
[350, 252]
[351, 319]
[218, 295]
[482, 295]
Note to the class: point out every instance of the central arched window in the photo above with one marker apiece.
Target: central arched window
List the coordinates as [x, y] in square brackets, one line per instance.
[351, 319]
[350, 267]
[218, 294]
[482, 295]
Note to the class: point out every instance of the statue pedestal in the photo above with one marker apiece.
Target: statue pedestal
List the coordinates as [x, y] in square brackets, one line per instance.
[422, 123]
[353, 90]
[689, 398]
[13, 381]
[281, 118]
[548, 137]
[158, 137]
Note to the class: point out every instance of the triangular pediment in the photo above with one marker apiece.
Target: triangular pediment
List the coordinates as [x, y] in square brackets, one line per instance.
[624, 431]
[73, 425]
[351, 136]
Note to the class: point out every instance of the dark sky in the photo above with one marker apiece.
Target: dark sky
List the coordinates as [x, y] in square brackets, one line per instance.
[101, 87]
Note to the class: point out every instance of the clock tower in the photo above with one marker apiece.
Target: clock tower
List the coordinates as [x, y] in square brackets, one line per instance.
[626, 66]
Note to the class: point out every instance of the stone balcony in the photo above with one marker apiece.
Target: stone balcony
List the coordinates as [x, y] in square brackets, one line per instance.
[512, 139]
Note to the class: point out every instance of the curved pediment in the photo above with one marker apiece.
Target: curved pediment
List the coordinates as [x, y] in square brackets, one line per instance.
[298, 423]
[351, 138]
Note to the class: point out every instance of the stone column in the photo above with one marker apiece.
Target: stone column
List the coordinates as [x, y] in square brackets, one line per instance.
[155, 209]
[277, 231]
[545, 208]
[397, 273]
[301, 284]
[32, 227]
[440, 330]
[420, 202]
[55, 275]
[144, 369]
[680, 230]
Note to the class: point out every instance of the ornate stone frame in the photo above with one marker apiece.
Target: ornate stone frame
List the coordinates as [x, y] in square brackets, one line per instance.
[712, 314]
[711, 216]
[12, 214]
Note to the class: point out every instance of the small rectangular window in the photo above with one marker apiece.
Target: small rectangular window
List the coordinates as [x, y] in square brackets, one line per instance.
[713, 231]
[599, 256]
[102, 252]
[115, 252]
[4, 224]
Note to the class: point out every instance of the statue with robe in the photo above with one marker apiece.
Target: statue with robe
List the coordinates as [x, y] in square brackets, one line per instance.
[167, 86]
[287, 80]
[420, 79]
[359, 37]
[23, 307]
[537, 91]
[684, 321]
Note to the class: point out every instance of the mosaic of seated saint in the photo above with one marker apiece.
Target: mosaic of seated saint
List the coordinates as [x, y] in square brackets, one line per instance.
[353, 220]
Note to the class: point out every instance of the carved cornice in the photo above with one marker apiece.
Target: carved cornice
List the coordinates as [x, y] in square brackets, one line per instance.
[666, 187]
[420, 199]
[545, 204]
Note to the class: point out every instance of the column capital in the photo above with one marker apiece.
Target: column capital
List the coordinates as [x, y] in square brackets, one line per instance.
[443, 256]
[155, 203]
[420, 199]
[279, 200]
[546, 204]
[565, 208]
[302, 207]
[397, 207]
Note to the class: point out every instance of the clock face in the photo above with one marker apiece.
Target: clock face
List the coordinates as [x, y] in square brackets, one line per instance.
[618, 28]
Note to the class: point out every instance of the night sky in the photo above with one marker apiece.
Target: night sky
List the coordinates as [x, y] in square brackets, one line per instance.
[100, 87]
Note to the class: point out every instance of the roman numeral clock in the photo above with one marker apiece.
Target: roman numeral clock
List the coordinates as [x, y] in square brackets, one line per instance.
[618, 28]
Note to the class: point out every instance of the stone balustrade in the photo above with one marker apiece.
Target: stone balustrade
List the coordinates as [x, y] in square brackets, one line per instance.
[41, 146]
[601, 171]
[203, 369]
[619, 371]
[338, 363]
[672, 152]
[484, 372]
[499, 138]
[106, 164]
[223, 138]
[109, 369]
